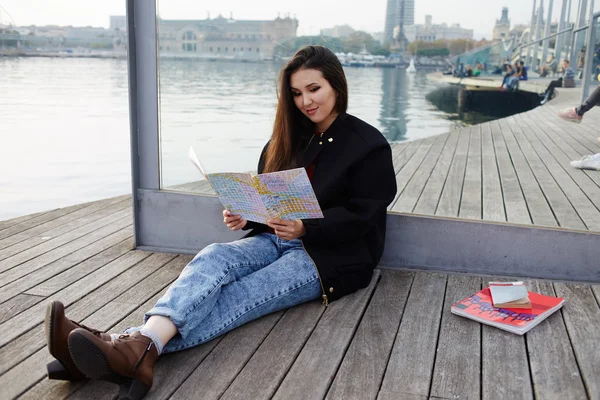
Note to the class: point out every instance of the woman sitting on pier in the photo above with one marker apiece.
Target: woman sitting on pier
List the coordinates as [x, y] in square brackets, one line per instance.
[276, 266]
[566, 80]
[576, 115]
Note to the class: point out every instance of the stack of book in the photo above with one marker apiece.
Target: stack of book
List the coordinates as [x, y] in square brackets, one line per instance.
[508, 306]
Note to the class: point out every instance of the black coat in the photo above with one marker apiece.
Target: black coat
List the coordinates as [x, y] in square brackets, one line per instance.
[354, 182]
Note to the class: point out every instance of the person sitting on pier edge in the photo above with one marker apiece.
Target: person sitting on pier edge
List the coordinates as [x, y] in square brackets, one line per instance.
[576, 115]
[512, 82]
[567, 80]
[277, 265]
[523, 76]
[509, 72]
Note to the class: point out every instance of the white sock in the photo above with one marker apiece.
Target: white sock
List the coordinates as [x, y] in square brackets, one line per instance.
[148, 333]
[152, 335]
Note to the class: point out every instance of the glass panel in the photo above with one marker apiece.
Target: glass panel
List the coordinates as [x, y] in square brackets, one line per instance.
[218, 79]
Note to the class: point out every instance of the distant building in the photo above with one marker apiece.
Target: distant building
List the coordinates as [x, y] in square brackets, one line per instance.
[430, 32]
[338, 31]
[225, 37]
[398, 11]
[502, 27]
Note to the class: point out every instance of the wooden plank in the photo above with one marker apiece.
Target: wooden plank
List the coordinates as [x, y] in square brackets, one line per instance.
[470, 203]
[32, 370]
[17, 304]
[411, 362]
[361, 372]
[565, 214]
[554, 370]
[30, 263]
[387, 395]
[539, 209]
[458, 359]
[451, 194]
[82, 269]
[17, 220]
[563, 153]
[406, 155]
[582, 317]
[261, 376]
[585, 134]
[222, 365]
[505, 368]
[132, 272]
[18, 325]
[311, 374]
[410, 187]
[60, 234]
[514, 201]
[412, 165]
[586, 210]
[95, 254]
[428, 202]
[493, 200]
[50, 220]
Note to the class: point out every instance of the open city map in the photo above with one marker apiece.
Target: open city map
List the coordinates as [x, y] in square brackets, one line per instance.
[285, 194]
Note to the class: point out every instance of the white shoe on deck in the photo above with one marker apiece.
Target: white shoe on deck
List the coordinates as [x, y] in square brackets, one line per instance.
[588, 162]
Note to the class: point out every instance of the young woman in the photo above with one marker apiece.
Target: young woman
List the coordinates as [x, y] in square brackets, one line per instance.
[275, 266]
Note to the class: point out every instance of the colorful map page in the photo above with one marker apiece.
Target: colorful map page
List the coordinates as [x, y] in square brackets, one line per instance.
[289, 195]
[237, 194]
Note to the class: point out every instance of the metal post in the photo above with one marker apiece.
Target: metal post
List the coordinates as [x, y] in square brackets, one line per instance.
[546, 33]
[538, 32]
[590, 40]
[530, 37]
[579, 37]
[562, 24]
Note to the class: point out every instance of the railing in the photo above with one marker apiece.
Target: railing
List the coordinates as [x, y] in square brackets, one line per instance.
[588, 66]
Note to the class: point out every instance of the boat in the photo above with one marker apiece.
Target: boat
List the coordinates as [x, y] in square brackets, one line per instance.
[411, 68]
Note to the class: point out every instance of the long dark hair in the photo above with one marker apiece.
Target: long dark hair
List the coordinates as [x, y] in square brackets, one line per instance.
[291, 127]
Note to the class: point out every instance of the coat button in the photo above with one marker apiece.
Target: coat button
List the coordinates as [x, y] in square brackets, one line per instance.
[320, 143]
[330, 140]
[330, 290]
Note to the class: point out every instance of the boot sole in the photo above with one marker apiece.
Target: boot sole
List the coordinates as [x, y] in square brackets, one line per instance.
[49, 327]
[91, 360]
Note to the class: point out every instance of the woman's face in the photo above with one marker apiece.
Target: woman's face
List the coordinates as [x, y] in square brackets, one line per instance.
[314, 96]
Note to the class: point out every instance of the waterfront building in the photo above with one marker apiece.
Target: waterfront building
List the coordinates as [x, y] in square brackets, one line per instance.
[224, 37]
[338, 31]
[502, 26]
[430, 32]
[398, 13]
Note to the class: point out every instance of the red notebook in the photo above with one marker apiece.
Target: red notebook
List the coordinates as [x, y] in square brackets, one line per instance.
[516, 320]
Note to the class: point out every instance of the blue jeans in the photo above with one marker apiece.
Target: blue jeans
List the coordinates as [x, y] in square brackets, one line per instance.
[229, 284]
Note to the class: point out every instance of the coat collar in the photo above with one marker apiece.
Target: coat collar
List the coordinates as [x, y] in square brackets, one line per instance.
[318, 142]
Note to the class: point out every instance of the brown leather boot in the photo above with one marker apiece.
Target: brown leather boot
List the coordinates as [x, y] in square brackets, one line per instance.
[57, 328]
[127, 361]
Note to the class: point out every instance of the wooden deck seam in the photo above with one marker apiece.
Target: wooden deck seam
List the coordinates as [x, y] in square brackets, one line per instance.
[439, 333]
[396, 334]
[517, 176]
[499, 172]
[460, 134]
[345, 351]
[560, 170]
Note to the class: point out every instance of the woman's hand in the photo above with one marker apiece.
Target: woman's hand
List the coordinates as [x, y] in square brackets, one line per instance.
[233, 221]
[286, 229]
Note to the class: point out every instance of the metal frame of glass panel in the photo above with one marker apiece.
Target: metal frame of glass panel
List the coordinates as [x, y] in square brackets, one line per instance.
[169, 221]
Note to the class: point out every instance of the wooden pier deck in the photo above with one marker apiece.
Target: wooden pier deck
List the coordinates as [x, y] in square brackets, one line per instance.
[395, 340]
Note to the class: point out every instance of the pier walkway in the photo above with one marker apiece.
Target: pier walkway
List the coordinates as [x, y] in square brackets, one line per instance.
[395, 340]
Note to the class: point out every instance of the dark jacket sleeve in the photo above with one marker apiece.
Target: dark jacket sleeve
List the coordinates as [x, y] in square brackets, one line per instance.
[260, 168]
[372, 189]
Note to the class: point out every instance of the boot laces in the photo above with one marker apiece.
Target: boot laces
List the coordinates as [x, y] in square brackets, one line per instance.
[93, 331]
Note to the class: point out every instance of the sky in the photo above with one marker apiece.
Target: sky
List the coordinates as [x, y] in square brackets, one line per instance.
[313, 15]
